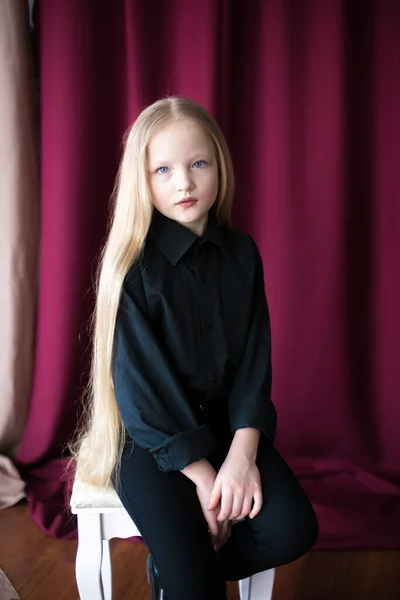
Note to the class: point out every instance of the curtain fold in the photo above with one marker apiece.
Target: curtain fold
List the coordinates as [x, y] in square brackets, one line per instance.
[307, 95]
[19, 236]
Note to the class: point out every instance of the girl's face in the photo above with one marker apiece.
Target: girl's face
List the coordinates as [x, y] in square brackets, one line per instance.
[182, 165]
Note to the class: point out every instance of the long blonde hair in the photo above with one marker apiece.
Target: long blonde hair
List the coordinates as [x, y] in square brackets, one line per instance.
[100, 437]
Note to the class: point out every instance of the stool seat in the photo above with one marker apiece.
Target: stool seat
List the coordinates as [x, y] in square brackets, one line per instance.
[89, 496]
[101, 517]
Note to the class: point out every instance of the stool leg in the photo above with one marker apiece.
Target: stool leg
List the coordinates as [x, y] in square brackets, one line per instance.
[88, 557]
[106, 573]
[245, 589]
[258, 586]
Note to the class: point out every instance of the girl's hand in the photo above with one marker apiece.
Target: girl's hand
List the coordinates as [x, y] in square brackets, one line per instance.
[224, 533]
[203, 476]
[220, 531]
[236, 486]
[203, 491]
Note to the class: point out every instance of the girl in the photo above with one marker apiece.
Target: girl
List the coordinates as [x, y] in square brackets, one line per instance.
[181, 417]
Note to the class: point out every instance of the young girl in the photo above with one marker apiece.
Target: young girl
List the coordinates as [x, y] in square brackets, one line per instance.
[181, 417]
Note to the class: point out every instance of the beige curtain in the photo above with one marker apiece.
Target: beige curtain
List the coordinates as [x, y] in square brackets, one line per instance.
[19, 235]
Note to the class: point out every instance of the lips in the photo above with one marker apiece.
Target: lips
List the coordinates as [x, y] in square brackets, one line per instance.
[187, 201]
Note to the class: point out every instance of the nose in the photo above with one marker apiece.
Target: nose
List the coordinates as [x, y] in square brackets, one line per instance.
[184, 181]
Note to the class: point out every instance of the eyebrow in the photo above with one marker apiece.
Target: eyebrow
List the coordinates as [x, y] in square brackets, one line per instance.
[196, 157]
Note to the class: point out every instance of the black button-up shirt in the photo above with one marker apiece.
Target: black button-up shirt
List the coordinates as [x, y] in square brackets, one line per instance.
[192, 327]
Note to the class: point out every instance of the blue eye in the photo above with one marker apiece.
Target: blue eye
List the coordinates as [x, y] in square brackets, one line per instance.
[199, 164]
[162, 170]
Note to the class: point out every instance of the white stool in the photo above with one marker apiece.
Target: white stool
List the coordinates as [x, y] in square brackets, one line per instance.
[101, 517]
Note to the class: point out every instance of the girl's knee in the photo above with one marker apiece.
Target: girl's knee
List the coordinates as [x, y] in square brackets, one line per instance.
[298, 535]
[295, 534]
[305, 534]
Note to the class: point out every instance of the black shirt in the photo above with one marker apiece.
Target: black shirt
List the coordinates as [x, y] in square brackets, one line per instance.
[192, 328]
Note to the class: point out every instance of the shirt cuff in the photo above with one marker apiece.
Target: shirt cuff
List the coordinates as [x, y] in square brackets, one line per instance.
[253, 411]
[185, 448]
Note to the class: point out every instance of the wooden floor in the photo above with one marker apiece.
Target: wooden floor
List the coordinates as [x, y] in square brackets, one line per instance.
[41, 568]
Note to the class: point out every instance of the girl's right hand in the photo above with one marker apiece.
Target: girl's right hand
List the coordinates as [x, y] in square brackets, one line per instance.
[225, 530]
[203, 476]
[220, 530]
[203, 494]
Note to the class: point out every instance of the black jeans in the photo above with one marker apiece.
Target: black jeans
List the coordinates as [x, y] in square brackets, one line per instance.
[167, 512]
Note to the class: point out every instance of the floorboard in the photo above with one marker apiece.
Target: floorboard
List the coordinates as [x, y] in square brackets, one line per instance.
[41, 568]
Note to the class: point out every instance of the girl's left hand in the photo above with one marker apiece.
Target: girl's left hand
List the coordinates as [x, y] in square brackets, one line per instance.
[236, 485]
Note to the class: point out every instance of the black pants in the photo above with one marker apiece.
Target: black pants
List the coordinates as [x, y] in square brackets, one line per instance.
[166, 510]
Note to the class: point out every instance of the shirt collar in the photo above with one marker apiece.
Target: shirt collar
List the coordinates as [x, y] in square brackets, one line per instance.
[174, 239]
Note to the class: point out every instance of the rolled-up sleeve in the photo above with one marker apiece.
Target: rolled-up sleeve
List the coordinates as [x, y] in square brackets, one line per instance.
[250, 402]
[149, 397]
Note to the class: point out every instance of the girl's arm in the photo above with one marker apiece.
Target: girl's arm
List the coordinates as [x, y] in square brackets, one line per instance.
[250, 404]
[237, 486]
[150, 399]
[200, 472]
[245, 443]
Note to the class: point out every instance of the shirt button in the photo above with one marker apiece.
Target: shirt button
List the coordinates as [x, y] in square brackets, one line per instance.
[214, 378]
[201, 407]
[203, 279]
[209, 327]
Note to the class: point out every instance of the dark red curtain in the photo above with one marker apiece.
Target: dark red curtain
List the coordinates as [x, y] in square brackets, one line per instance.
[308, 95]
